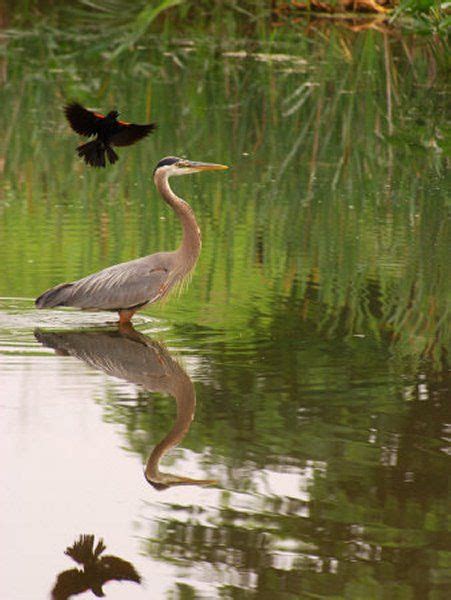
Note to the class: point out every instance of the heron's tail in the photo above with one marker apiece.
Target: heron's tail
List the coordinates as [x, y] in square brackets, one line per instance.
[56, 296]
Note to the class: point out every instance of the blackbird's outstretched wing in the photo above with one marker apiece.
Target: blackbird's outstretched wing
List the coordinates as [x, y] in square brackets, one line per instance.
[70, 583]
[113, 568]
[130, 133]
[82, 120]
[82, 550]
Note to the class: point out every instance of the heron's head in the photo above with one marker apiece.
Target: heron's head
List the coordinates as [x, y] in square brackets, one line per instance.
[173, 165]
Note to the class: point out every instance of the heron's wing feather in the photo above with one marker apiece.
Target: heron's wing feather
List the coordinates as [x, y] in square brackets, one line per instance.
[130, 133]
[121, 286]
[82, 120]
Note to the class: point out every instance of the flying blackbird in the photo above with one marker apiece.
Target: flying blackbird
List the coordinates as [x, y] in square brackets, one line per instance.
[96, 570]
[108, 131]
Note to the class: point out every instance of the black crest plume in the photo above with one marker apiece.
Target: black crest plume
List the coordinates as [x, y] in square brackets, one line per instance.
[107, 130]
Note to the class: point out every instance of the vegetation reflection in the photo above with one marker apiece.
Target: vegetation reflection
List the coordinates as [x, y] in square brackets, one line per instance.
[337, 190]
[318, 315]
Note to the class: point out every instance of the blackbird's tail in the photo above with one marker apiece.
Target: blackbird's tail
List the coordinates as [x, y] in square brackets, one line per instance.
[93, 153]
[112, 156]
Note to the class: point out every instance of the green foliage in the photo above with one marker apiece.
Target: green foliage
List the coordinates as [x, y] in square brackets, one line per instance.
[142, 22]
[126, 23]
[424, 16]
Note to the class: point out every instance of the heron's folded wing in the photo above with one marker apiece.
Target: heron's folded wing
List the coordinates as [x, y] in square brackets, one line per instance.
[82, 120]
[121, 286]
[130, 133]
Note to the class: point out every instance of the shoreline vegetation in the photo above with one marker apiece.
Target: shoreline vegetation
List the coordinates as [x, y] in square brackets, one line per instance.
[419, 16]
[251, 17]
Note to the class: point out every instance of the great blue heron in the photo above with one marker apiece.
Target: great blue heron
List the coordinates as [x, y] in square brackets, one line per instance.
[127, 354]
[129, 286]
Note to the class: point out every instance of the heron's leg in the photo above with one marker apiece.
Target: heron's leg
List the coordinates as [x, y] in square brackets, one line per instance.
[125, 316]
[127, 328]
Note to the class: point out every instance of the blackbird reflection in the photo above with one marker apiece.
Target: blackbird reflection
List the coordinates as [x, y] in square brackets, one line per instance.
[127, 354]
[95, 572]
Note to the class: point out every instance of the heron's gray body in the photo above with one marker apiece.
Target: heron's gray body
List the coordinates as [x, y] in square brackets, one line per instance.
[128, 286]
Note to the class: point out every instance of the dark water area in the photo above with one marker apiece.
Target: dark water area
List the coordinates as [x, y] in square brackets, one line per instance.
[281, 428]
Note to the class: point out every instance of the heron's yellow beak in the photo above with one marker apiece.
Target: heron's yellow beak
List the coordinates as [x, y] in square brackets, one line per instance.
[202, 166]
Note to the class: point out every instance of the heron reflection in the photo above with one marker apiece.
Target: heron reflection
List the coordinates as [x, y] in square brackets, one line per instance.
[95, 571]
[127, 354]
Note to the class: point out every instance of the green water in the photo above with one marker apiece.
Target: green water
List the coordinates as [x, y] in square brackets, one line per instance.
[314, 335]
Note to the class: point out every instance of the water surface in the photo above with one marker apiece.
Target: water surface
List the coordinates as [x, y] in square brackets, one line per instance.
[302, 374]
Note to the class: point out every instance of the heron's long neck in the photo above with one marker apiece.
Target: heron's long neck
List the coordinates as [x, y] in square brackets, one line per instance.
[183, 391]
[190, 247]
